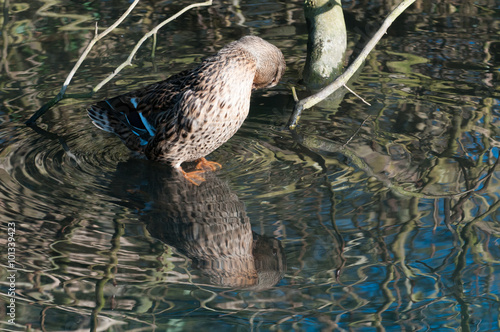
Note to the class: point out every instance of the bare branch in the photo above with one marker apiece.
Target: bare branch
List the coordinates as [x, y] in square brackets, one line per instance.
[344, 78]
[128, 62]
[94, 40]
[91, 44]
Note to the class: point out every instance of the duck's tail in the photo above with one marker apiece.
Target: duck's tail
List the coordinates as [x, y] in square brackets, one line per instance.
[100, 118]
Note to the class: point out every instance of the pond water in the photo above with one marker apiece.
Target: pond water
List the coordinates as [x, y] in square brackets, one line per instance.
[367, 217]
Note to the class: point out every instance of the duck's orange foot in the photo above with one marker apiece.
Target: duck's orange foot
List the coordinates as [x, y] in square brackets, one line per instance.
[195, 177]
[207, 165]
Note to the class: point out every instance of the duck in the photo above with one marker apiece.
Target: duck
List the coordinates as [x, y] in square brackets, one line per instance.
[187, 116]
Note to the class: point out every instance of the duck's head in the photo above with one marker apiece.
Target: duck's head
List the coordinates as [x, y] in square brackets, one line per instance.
[269, 59]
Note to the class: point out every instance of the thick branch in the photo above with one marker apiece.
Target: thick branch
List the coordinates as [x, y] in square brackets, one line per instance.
[344, 78]
[326, 44]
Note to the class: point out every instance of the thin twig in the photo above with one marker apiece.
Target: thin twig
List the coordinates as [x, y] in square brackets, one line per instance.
[356, 132]
[153, 48]
[354, 93]
[344, 78]
[294, 94]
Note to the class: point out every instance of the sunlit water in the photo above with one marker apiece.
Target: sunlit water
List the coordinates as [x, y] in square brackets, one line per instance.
[382, 216]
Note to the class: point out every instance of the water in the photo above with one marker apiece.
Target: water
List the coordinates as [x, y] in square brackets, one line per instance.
[298, 230]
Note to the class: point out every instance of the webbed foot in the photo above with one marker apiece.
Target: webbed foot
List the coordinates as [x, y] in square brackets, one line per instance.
[207, 165]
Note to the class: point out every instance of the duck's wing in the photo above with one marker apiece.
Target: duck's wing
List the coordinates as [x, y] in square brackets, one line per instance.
[134, 116]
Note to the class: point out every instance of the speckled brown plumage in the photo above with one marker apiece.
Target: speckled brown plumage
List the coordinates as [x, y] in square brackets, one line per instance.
[190, 114]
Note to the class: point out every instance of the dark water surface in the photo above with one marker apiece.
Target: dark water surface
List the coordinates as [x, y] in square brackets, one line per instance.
[399, 229]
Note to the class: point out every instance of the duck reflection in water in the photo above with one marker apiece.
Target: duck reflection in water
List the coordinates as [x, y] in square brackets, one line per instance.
[208, 224]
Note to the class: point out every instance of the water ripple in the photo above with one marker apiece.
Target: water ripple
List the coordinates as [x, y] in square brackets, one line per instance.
[51, 171]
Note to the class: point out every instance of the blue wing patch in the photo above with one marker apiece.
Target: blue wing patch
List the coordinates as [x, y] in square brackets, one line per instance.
[144, 134]
[151, 130]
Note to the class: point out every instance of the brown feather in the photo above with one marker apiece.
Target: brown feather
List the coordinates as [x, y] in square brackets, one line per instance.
[194, 112]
